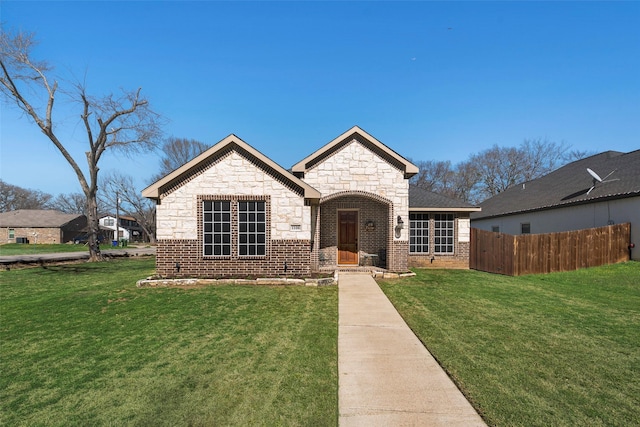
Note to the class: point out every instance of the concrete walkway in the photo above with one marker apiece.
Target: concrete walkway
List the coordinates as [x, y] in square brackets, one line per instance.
[386, 376]
[10, 260]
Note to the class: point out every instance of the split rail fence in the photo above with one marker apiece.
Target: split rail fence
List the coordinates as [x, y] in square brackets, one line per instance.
[545, 253]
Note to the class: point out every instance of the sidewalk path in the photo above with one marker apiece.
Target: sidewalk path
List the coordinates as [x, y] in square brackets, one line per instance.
[9, 260]
[386, 376]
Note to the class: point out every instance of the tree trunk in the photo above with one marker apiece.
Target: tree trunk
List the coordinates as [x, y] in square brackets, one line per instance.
[94, 230]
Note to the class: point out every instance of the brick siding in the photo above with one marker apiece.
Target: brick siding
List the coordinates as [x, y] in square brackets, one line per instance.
[459, 259]
[188, 254]
[45, 235]
[370, 239]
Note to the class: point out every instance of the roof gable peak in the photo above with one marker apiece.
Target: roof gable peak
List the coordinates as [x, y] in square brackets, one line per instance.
[228, 144]
[366, 140]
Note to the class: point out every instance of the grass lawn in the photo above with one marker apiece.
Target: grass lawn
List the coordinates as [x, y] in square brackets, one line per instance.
[81, 345]
[561, 349]
[29, 249]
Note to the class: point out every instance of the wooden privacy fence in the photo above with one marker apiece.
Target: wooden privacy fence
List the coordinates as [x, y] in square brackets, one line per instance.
[545, 253]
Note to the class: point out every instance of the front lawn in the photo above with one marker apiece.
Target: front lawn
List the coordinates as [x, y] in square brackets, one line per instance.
[81, 345]
[561, 349]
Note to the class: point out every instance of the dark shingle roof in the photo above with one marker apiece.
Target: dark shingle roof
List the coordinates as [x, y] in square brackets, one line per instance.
[422, 199]
[569, 185]
[36, 218]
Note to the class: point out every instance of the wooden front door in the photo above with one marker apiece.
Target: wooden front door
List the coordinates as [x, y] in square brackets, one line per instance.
[348, 237]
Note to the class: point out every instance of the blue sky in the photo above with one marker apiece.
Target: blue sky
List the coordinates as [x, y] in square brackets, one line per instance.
[432, 80]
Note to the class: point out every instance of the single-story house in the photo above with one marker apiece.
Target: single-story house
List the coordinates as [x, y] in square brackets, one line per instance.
[592, 192]
[127, 229]
[232, 211]
[40, 226]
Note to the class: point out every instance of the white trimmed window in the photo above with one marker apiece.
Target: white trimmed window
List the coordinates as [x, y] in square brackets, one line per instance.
[443, 233]
[418, 233]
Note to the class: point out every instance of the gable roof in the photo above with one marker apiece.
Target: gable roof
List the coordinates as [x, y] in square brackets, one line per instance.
[425, 200]
[230, 143]
[569, 185]
[408, 168]
[36, 218]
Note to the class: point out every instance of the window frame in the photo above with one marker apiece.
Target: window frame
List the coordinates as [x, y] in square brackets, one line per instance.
[438, 229]
[252, 228]
[419, 232]
[522, 228]
[221, 228]
[235, 239]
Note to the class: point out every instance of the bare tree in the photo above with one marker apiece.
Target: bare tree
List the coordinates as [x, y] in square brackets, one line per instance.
[542, 156]
[122, 123]
[491, 171]
[502, 167]
[434, 176]
[177, 152]
[118, 192]
[465, 182]
[574, 155]
[70, 203]
[13, 198]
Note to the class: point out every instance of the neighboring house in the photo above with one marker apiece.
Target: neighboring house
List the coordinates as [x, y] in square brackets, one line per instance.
[40, 226]
[233, 211]
[127, 229]
[600, 190]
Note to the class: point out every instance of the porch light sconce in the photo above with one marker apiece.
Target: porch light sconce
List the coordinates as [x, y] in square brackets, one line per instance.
[399, 226]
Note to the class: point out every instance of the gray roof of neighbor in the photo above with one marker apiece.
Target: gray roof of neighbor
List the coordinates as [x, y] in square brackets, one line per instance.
[568, 185]
[421, 198]
[36, 218]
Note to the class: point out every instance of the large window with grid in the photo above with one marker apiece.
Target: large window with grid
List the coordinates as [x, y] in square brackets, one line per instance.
[216, 223]
[418, 233]
[443, 233]
[251, 228]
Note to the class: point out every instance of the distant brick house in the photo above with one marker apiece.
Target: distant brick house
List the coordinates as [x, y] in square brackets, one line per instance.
[40, 226]
[233, 211]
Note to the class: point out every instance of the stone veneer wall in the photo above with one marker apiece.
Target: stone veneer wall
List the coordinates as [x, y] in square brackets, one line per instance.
[188, 254]
[356, 168]
[234, 177]
[353, 168]
[232, 174]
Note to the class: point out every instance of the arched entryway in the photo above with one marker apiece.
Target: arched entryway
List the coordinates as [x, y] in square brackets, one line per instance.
[354, 229]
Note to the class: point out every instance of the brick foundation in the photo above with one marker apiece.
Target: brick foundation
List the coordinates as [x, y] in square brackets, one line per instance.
[188, 254]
